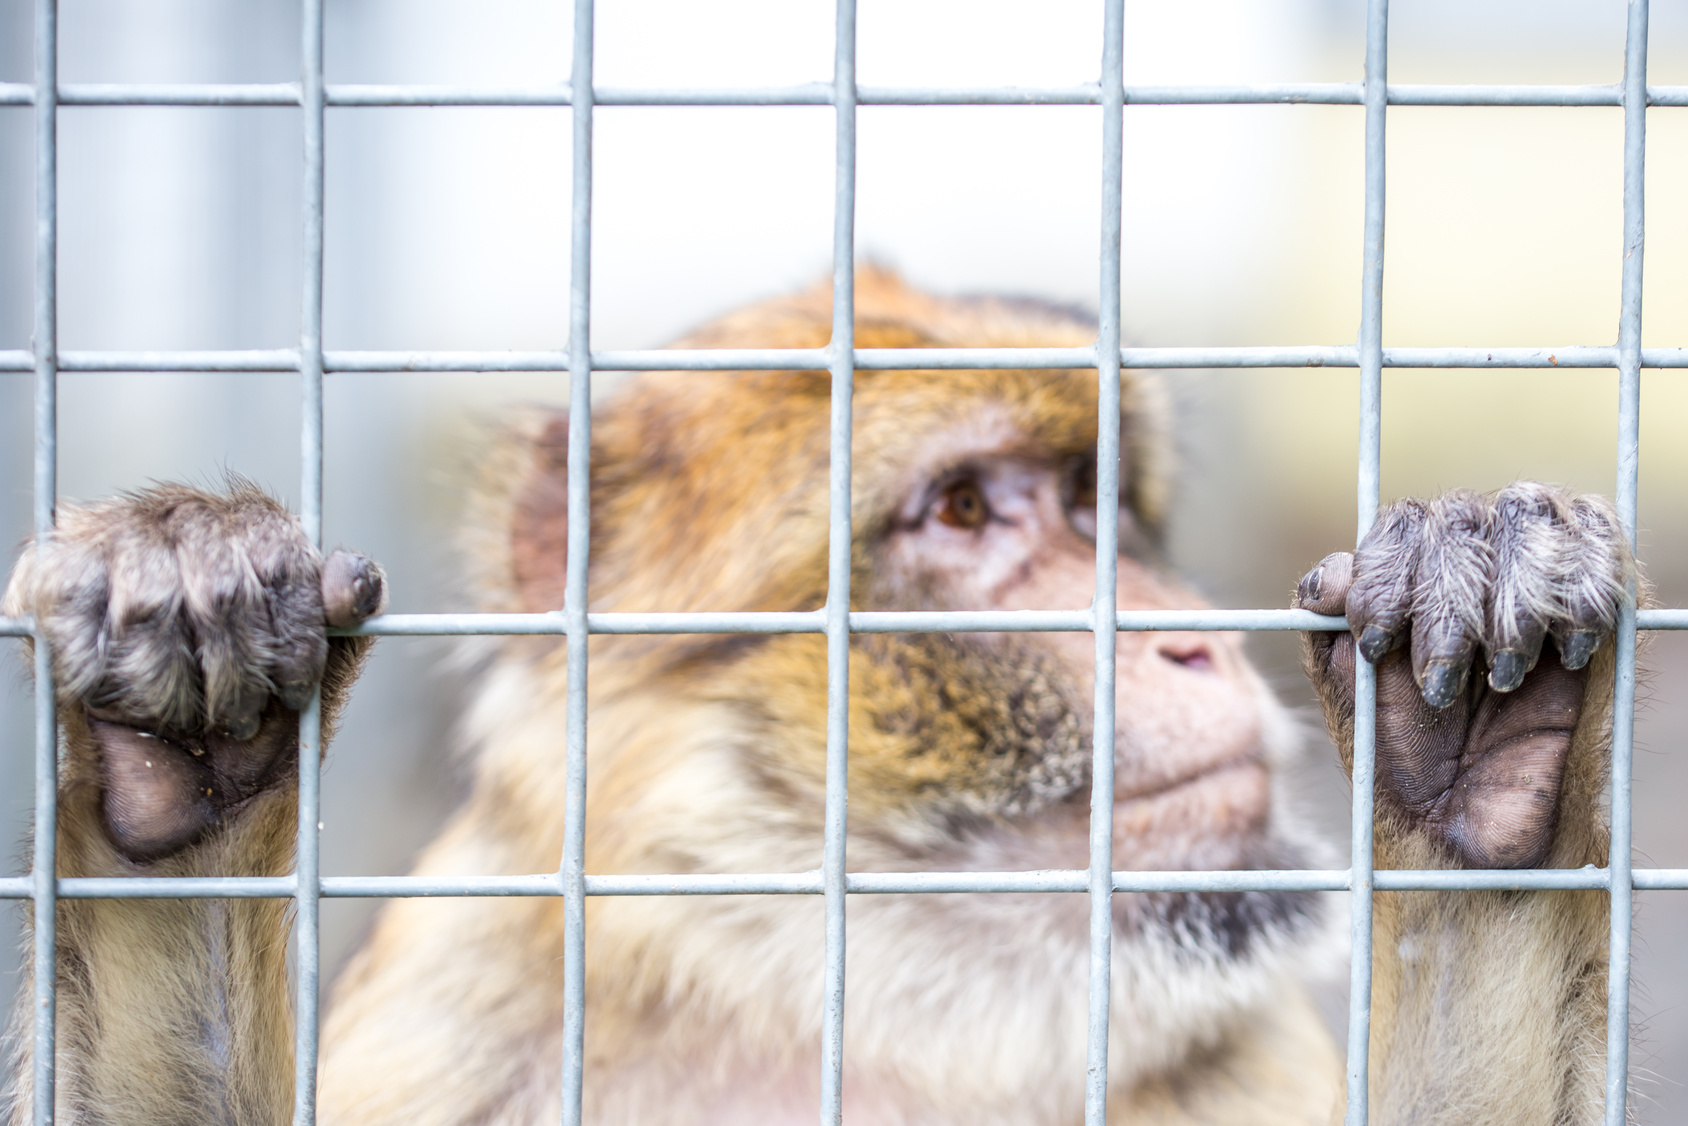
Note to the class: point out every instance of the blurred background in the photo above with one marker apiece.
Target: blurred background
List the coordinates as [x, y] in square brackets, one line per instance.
[447, 228]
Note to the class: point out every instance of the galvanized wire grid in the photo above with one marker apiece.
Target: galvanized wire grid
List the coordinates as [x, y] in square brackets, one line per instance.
[306, 886]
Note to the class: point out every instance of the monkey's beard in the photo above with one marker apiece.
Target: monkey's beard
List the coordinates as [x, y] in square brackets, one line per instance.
[1226, 925]
[1016, 732]
[1008, 711]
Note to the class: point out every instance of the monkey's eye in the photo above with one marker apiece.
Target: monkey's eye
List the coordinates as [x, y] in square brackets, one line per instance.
[1084, 485]
[962, 505]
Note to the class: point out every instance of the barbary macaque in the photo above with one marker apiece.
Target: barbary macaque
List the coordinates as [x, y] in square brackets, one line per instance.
[187, 627]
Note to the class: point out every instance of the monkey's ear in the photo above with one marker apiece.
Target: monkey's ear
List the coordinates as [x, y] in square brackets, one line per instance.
[514, 529]
[539, 514]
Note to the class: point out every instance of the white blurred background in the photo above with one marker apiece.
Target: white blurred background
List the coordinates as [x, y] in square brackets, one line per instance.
[447, 228]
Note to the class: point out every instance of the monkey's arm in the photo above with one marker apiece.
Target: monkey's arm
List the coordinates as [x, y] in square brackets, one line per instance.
[187, 630]
[1492, 752]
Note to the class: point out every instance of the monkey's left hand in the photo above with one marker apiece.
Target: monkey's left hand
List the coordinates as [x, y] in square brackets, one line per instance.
[1438, 587]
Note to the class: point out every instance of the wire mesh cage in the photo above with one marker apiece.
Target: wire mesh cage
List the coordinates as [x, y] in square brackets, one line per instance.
[834, 882]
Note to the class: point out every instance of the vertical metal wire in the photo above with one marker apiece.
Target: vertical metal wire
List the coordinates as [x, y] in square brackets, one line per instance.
[46, 345]
[307, 865]
[843, 364]
[1370, 458]
[1104, 603]
[1629, 441]
[575, 592]
[307, 923]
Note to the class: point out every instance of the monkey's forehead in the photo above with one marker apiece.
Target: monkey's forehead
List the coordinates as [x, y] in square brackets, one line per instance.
[741, 439]
[896, 414]
[1054, 408]
[756, 446]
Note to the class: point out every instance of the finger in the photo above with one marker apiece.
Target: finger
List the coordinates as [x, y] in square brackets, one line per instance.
[151, 668]
[1594, 568]
[1455, 572]
[1529, 527]
[293, 579]
[353, 589]
[65, 587]
[1324, 589]
[226, 607]
[1385, 568]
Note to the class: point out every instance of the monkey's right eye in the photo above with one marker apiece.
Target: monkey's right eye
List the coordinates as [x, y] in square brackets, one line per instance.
[963, 505]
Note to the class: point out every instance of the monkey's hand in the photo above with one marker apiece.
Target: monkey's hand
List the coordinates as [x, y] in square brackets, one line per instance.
[1477, 717]
[187, 630]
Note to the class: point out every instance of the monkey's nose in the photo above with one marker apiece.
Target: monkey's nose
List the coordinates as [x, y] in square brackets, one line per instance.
[1193, 655]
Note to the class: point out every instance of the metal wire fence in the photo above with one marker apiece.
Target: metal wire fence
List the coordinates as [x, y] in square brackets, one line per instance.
[306, 887]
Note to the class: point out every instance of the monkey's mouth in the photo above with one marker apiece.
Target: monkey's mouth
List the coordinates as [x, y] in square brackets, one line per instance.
[1147, 791]
[1230, 797]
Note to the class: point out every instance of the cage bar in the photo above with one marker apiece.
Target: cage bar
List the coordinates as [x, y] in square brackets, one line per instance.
[816, 359]
[820, 94]
[307, 921]
[1361, 876]
[856, 883]
[1629, 440]
[572, 871]
[44, 864]
[1105, 603]
[841, 354]
[870, 621]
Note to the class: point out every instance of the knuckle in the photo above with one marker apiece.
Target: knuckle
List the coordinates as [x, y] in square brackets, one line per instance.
[1596, 565]
[1529, 534]
[174, 604]
[1456, 565]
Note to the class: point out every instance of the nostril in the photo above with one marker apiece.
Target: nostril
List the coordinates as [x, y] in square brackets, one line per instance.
[1194, 657]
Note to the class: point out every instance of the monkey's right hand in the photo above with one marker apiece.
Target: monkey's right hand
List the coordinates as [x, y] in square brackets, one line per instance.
[187, 630]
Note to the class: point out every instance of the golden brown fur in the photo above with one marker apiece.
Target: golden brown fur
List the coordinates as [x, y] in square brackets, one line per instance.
[707, 754]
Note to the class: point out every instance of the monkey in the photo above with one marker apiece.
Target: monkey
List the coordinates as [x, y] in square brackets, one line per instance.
[187, 627]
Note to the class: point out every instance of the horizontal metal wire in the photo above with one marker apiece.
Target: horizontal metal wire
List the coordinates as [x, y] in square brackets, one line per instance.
[245, 360]
[872, 621]
[822, 94]
[859, 883]
[817, 359]
[869, 621]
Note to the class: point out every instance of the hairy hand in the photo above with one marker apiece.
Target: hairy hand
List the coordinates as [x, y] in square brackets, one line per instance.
[1454, 599]
[187, 630]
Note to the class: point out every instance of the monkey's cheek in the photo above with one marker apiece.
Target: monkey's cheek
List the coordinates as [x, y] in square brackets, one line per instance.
[1204, 822]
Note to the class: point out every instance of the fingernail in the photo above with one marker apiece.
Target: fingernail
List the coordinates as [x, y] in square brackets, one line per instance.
[295, 694]
[1374, 643]
[363, 596]
[1507, 669]
[1308, 589]
[1576, 647]
[1441, 683]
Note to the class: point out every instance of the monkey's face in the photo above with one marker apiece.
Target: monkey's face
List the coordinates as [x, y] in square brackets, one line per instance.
[992, 515]
[971, 491]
